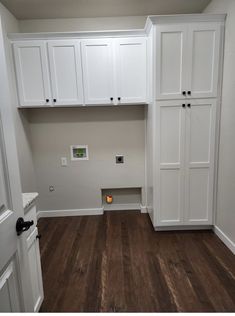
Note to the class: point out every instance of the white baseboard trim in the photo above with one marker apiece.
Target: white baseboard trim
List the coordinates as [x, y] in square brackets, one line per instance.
[143, 209]
[122, 207]
[71, 212]
[228, 242]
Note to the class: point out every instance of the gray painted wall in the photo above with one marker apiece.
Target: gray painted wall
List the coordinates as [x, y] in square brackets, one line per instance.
[10, 24]
[82, 24]
[107, 131]
[225, 218]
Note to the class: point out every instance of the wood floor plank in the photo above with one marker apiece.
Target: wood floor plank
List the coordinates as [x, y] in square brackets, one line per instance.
[118, 263]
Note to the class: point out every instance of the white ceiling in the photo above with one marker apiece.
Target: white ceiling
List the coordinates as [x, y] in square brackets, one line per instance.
[49, 9]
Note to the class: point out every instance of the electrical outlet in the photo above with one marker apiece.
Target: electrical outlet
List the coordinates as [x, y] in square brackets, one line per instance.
[51, 188]
[119, 159]
[64, 162]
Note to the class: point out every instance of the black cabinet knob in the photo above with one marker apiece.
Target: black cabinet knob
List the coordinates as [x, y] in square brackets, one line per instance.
[189, 92]
[47, 100]
[54, 100]
[183, 105]
[39, 236]
[184, 92]
[111, 99]
[189, 105]
[119, 98]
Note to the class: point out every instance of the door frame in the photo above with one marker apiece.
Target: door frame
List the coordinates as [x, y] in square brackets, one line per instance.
[13, 174]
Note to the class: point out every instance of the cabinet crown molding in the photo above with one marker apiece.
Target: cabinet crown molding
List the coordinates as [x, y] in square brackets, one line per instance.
[151, 20]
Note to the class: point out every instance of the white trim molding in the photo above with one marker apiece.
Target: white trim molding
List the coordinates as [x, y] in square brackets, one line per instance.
[71, 212]
[143, 208]
[122, 207]
[225, 239]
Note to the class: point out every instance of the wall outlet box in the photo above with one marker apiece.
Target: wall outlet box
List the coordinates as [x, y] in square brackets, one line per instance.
[79, 152]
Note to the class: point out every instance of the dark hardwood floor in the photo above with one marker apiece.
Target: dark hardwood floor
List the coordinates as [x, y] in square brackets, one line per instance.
[116, 262]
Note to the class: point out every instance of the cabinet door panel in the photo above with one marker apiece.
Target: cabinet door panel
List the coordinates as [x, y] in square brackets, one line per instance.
[200, 142]
[32, 73]
[200, 133]
[171, 61]
[66, 72]
[171, 146]
[170, 211]
[199, 196]
[131, 70]
[204, 45]
[171, 134]
[35, 269]
[98, 69]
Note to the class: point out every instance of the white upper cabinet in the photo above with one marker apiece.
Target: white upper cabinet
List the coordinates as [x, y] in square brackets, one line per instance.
[171, 45]
[187, 60]
[131, 70]
[115, 70]
[66, 72]
[98, 71]
[94, 71]
[32, 73]
[204, 45]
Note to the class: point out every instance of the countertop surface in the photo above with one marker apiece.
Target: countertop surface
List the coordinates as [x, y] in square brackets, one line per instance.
[29, 199]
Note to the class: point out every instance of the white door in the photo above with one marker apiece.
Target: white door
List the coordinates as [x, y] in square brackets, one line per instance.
[66, 72]
[9, 287]
[171, 54]
[199, 165]
[32, 73]
[203, 50]
[171, 146]
[15, 291]
[98, 71]
[131, 70]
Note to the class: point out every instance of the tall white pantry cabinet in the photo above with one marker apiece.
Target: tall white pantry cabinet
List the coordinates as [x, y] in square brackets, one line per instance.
[183, 120]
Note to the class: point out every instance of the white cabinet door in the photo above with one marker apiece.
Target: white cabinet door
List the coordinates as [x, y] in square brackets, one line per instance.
[171, 143]
[98, 71]
[32, 73]
[199, 166]
[203, 50]
[171, 45]
[35, 269]
[66, 72]
[131, 70]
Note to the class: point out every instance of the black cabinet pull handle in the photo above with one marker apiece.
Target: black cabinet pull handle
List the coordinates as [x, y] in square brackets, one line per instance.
[47, 100]
[189, 92]
[184, 92]
[189, 105]
[111, 99]
[54, 100]
[183, 105]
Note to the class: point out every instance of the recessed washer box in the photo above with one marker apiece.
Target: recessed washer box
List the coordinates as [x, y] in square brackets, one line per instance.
[79, 152]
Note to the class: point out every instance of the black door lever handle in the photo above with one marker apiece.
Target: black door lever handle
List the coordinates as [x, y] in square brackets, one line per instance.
[22, 226]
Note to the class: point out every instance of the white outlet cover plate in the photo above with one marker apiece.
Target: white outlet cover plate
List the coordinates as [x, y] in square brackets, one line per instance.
[64, 162]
